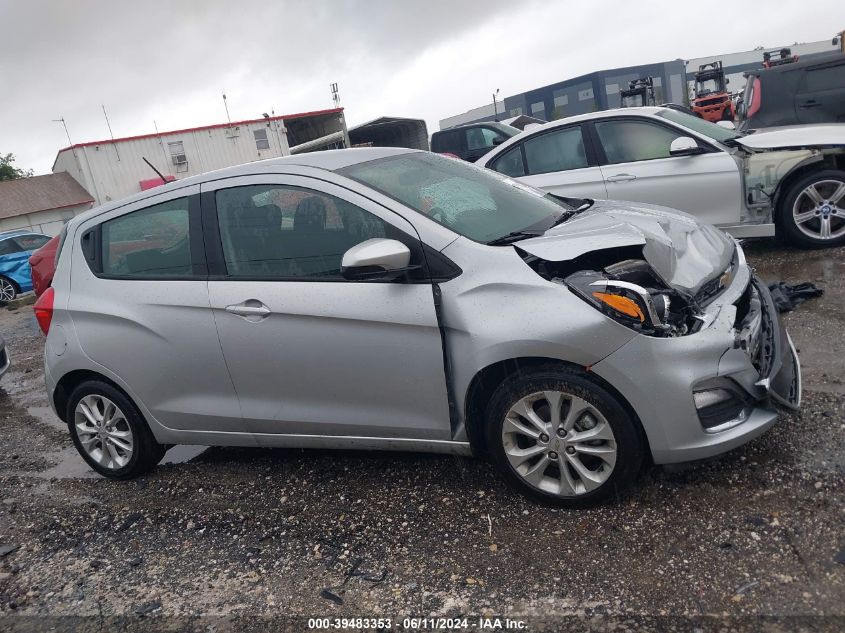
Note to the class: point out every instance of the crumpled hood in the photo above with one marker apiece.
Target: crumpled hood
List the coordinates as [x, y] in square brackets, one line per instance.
[685, 253]
[795, 136]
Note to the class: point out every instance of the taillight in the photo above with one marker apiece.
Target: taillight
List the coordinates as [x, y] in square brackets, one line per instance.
[44, 310]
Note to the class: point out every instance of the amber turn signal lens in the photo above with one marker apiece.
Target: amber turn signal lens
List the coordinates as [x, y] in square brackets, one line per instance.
[621, 304]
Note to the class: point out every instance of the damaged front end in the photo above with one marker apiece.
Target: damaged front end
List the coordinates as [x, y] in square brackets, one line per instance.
[625, 287]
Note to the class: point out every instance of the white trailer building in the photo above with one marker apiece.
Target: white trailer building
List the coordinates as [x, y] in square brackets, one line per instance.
[115, 168]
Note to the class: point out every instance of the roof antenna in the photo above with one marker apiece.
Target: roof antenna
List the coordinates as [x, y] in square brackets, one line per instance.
[111, 134]
[163, 179]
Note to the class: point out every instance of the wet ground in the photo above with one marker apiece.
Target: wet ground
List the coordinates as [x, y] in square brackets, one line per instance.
[224, 539]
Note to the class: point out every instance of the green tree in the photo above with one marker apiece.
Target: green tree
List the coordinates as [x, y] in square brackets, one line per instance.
[9, 172]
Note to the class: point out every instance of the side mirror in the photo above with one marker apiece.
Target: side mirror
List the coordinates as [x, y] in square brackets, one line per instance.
[728, 125]
[684, 146]
[376, 259]
[499, 140]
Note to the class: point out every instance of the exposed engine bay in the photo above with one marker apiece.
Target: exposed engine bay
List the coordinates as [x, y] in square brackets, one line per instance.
[624, 286]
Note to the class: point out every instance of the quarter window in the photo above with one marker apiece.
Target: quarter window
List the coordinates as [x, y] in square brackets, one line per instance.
[31, 242]
[628, 141]
[270, 231]
[151, 242]
[556, 151]
[510, 163]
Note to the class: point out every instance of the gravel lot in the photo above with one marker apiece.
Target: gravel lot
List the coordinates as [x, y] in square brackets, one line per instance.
[228, 539]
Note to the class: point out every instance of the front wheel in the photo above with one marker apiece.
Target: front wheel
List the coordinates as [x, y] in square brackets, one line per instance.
[8, 290]
[812, 213]
[558, 436]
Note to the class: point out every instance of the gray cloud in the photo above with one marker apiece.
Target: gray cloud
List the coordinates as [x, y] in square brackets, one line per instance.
[169, 61]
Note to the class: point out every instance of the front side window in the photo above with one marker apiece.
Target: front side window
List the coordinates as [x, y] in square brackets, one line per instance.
[556, 151]
[31, 242]
[275, 231]
[148, 243]
[480, 138]
[510, 163]
[471, 201]
[629, 140]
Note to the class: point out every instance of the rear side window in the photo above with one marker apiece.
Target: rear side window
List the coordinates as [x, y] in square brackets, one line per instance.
[480, 137]
[448, 141]
[31, 242]
[148, 243]
[556, 151]
[823, 79]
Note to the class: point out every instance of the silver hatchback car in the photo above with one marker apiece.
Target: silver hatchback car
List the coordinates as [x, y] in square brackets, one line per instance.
[393, 299]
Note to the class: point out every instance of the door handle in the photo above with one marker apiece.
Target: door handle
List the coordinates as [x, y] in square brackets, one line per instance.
[249, 308]
[810, 104]
[621, 178]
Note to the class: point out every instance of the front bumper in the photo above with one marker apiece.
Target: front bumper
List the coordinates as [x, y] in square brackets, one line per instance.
[657, 376]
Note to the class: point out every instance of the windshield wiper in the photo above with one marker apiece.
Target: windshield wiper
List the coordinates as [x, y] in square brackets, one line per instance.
[566, 215]
[513, 236]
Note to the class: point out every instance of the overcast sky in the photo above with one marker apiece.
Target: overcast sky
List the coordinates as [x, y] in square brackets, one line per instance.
[169, 62]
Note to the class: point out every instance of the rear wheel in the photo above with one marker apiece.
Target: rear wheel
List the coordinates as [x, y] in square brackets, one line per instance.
[8, 289]
[812, 212]
[109, 431]
[558, 436]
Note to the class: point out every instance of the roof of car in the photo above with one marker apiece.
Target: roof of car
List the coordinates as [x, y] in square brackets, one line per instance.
[330, 160]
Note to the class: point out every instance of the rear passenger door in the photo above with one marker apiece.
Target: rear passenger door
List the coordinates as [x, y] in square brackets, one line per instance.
[140, 308]
[312, 353]
[558, 161]
[821, 95]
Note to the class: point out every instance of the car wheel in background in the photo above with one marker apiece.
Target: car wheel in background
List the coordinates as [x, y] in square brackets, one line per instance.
[109, 431]
[558, 436]
[812, 212]
[8, 289]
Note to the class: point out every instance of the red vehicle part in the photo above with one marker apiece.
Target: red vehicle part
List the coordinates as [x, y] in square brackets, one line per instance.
[43, 264]
[43, 309]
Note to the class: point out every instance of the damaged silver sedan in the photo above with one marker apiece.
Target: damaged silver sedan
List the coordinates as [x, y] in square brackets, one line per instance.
[786, 180]
[392, 299]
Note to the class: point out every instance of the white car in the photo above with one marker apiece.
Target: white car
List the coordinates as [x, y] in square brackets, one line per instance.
[790, 178]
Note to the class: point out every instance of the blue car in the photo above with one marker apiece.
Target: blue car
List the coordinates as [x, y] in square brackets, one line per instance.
[15, 249]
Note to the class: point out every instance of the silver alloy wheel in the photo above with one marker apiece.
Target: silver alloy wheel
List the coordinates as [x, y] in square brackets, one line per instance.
[559, 443]
[103, 431]
[7, 290]
[819, 210]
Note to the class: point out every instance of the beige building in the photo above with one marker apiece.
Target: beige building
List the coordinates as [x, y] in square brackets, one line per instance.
[42, 204]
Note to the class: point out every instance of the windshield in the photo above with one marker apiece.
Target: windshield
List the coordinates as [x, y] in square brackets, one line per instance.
[707, 86]
[474, 202]
[689, 121]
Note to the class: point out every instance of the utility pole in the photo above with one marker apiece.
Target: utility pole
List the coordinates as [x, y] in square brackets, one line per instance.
[495, 107]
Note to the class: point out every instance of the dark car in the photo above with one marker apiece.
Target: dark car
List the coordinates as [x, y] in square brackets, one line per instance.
[43, 265]
[473, 140]
[811, 90]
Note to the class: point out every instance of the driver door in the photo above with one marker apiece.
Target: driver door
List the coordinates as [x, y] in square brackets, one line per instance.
[309, 352]
[637, 166]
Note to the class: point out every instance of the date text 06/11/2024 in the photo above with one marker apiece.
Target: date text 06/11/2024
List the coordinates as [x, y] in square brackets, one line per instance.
[418, 624]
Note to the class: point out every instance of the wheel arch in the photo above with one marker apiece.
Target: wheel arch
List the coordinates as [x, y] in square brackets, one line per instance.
[69, 382]
[802, 170]
[487, 380]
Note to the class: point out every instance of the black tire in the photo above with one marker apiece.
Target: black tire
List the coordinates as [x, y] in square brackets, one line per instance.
[629, 445]
[786, 219]
[146, 451]
[11, 288]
